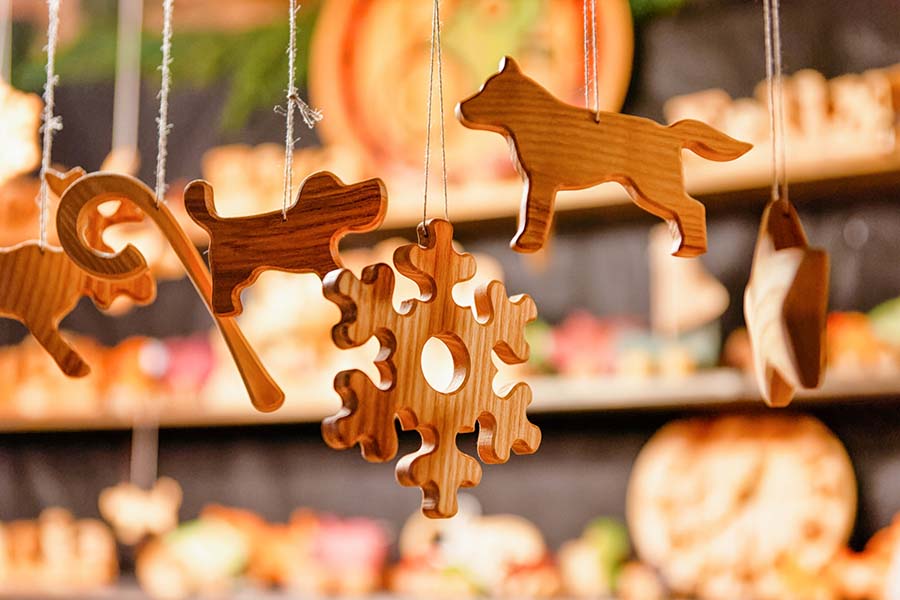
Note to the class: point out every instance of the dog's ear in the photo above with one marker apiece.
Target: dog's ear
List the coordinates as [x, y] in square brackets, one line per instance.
[509, 65]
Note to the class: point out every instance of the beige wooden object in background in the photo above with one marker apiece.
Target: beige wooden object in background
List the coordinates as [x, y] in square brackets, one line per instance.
[369, 410]
[92, 190]
[785, 306]
[559, 146]
[304, 240]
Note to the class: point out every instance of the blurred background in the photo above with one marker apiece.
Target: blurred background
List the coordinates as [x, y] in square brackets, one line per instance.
[661, 473]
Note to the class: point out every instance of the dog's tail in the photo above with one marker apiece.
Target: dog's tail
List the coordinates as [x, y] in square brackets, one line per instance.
[199, 204]
[709, 142]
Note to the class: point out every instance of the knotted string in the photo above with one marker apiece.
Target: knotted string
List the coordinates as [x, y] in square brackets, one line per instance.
[293, 102]
[162, 120]
[775, 88]
[51, 124]
[435, 57]
[589, 13]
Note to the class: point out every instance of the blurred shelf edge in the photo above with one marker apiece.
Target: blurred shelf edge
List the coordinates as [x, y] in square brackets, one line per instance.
[131, 591]
[810, 178]
[712, 388]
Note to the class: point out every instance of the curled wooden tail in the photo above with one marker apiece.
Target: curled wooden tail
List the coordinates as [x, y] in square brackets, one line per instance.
[97, 188]
[709, 142]
[199, 203]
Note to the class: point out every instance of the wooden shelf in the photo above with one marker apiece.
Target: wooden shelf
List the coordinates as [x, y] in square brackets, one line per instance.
[720, 388]
[750, 178]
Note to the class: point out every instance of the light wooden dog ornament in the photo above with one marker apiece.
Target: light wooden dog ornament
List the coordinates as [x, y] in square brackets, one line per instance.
[42, 285]
[559, 146]
[90, 191]
[303, 240]
[785, 306]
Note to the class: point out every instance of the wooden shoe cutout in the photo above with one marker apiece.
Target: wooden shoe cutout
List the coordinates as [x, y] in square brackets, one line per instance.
[85, 195]
[439, 467]
[306, 241]
[559, 146]
[785, 306]
[42, 286]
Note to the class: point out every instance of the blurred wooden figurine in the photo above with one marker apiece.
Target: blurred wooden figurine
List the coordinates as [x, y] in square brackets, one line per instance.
[303, 240]
[785, 306]
[90, 191]
[563, 147]
[43, 285]
[135, 513]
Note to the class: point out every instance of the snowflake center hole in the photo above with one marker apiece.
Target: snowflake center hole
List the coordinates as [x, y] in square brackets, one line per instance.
[445, 362]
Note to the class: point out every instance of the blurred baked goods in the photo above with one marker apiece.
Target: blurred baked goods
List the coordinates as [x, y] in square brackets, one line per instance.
[20, 120]
[471, 555]
[722, 505]
[56, 553]
[589, 566]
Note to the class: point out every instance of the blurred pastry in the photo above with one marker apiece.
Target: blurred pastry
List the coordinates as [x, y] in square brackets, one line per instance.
[589, 566]
[136, 513]
[718, 505]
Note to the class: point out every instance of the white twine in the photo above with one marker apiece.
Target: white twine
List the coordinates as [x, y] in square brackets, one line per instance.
[293, 101]
[163, 127]
[435, 54]
[590, 56]
[51, 124]
[775, 87]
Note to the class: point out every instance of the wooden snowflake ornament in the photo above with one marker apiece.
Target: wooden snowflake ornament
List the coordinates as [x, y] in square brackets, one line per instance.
[303, 240]
[558, 146]
[785, 306]
[369, 410]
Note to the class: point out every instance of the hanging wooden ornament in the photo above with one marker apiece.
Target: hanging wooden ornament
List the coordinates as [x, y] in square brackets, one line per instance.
[303, 239]
[785, 306]
[559, 146]
[42, 285]
[439, 468]
[89, 192]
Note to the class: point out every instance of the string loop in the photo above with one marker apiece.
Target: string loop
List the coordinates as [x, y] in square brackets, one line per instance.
[293, 102]
[51, 124]
[437, 57]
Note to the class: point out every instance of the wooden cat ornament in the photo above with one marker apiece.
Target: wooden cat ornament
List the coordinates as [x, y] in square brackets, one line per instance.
[563, 147]
[305, 240]
[42, 285]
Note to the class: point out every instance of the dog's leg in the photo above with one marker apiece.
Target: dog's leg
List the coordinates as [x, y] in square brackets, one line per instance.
[686, 217]
[535, 216]
[65, 356]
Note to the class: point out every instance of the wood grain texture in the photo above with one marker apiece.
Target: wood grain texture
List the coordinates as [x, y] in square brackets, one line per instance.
[439, 468]
[41, 286]
[81, 199]
[785, 306]
[559, 146]
[304, 241]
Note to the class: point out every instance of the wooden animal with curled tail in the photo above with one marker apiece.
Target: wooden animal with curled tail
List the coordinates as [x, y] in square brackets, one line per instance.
[83, 197]
[42, 285]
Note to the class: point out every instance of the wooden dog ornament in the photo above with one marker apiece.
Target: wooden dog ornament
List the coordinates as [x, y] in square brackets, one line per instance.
[563, 147]
[305, 240]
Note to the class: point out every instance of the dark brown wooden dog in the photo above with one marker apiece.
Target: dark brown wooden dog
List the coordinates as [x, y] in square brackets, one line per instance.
[306, 241]
[563, 147]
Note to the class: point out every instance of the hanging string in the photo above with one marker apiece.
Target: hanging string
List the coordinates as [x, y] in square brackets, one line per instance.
[437, 57]
[293, 102]
[775, 87]
[127, 95]
[589, 12]
[51, 124]
[162, 120]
